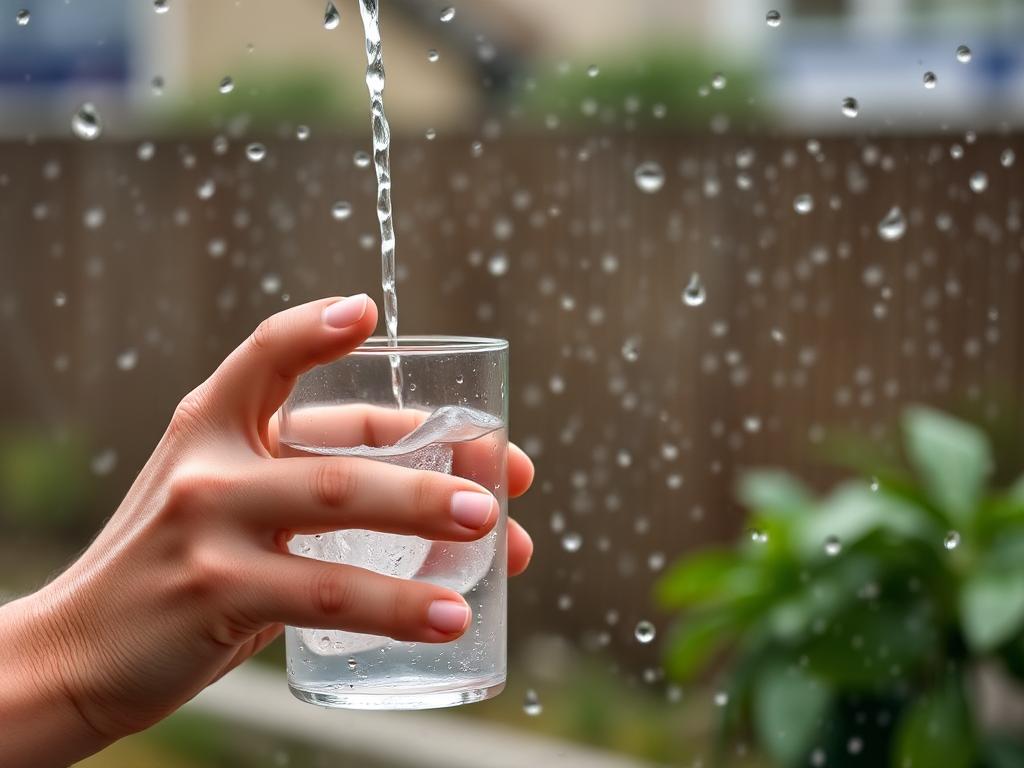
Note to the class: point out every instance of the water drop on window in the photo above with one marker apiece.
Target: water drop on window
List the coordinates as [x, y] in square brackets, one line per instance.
[803, 204]
[721, 698]
[952, 540]
[773, 18]
[227, 84]
[255, 152]
[361, 159]
[649, 177]
[86, 123]
[1007, 158]
[104, 462]
[433, 55]
[145, 151]
[302, 132]
[352, 663]
[447, 14]
[571, 542]
[833, 546]
[718, 81]
[331, 16]
[341, 210]
[979, 182]
[161, 6]
[694, 293]
[644, 632]
[893, 226]
[930, 80]
[593, 70]
[531, 703]
[850, 107]
[963, 54]
[23, 17]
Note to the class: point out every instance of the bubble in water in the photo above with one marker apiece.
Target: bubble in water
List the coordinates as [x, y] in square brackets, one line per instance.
[979, 182]
[721, 698]
[341, 210]
[255, 152]
[227, 84]
[649, 177]
[593, 70]
[718, 81]
[930, 80]
[773, 18]
[104, 462]
[694, 293]
[86, 123]
[963, 54]
[893, 226]
[361, 159]
[850, 107]
[23, 17]
[571, 542]
[531, 703]
[331, 16]
[952, 540]
[1007, 158]
[433, 55]
[302, 132]
[644, 632]
[161, 6]
[803, 204]
[447, 14]
[833, 546]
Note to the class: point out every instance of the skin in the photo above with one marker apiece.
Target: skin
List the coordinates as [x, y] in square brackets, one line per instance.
[191, 575]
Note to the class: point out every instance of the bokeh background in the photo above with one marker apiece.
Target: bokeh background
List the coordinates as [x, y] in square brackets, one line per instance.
[706, 261]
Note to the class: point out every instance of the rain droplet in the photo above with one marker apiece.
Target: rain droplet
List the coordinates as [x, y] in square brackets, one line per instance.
[649, 177]
[758, 537]
[352, 663]
[361, 159]
[952, 540]
[497, 265]
[103, 463]
[128, 359]
[694, 293]
[773, 19]
[145, 151]
[531, 703]
[206, 189]
[630, 351]
[721, 698]
[94, 217]
[979, 182]
[1007, 158]
[447, 14]
[963, 54]
[430, 134]
[23, 17]
[270, 283]
[593, 70]
[803, 204]
[60, 299]
[571, 542]
[341, 210]
[930, 80]
[644, 632]
[331, 16]
[227, 84]
[302, 132]
[752, 424]
[718, 81]
[161, 6]
[86, 123]
[850, 107]
[833, 546]
[778, 336]
[893, 226]
[433, 55]
[255, 152]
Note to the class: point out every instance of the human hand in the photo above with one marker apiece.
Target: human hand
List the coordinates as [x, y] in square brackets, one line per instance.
[192, 575]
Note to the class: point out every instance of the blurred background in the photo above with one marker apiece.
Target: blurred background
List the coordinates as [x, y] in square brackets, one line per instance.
[722, 236]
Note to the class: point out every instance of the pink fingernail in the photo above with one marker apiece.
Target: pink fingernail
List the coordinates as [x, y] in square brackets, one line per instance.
[471, 509]
[344, 313]
[448, 616]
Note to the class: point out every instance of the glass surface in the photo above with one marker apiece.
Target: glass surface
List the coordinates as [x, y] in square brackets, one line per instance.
[454, 421]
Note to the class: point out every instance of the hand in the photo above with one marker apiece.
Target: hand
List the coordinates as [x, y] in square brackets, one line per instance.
[191, 575]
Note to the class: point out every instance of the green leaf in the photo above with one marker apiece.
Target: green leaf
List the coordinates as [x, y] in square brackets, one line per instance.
[992, 606]
[789, 708]
[936, 731]
[698, 578]
[695, 639]
[770, 491]
[952, 458]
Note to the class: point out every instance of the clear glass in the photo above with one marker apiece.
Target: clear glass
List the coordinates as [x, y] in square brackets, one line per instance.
[454, 420]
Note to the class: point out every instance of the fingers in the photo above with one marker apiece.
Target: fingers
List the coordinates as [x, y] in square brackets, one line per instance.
[316, 494]
[520, 471]
[520, 548]
[256, 378]
[303, 592]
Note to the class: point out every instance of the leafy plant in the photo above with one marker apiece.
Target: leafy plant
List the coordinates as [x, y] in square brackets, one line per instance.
[853, 624]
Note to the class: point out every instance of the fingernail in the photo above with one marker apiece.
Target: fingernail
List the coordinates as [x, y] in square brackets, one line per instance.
[471, 509]
[448, 616]
[344, 313]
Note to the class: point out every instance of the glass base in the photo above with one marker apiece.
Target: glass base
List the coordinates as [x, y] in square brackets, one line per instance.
[398, 699]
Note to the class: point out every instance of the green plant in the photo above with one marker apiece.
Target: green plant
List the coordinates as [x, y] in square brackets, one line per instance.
[851, 626]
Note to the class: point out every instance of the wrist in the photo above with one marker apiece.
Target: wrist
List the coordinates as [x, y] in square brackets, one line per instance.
[43, 723]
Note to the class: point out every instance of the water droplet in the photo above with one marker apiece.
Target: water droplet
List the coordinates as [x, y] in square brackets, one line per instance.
[778, 336]
[60, 299]
[157, 83]
[930, 80]
[649, 177]
[752, 424]
[302, 132]
[86, 123]
[833, 546]
[758, 537]
[128, 359]
[94, 217]
[721, 698]
[694, 293]
[227, 84]
[593, 70]
[874, 485]
[161, 6]
[952, 540]
[497, 265]
[206, 189]
[718, 81]
[773, 19]
[850, 107]
[803, 204]
[630, 350]
[361, 159]
[430, 134]
[963, 54]
[145, 151]
[447, 14]
[331, 16]
[893, 226]
[23, 17]
[1007, 158]
[855, 745]
[644, 632]
[270, 283]
[341, 210]
[433, 55]
[352, 663]
[571, 542]
[255, 152]
[104, 462]
[325, 642]
[531, 703]
[979, 182]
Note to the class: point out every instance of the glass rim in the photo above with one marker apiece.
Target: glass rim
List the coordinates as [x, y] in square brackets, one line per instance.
[430, 344]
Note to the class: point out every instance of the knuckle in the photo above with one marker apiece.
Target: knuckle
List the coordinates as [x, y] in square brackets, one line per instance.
[428, 493]
[193, 489]
[334, 483]
[334, 592]
[262, 338]
[191, 412]
[209, 574]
